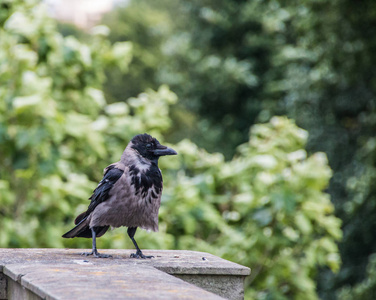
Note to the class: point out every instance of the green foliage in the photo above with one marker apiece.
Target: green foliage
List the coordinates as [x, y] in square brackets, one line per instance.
[213, 56]
[365, 290]
[232, 63]
[265, 208]
[147, 26]
[327, 86]
[53, 120]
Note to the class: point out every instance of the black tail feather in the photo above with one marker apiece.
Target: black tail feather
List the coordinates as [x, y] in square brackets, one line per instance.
[101, 230]
[78, 229]
[79, 218]
[86, 233]
[82, 229]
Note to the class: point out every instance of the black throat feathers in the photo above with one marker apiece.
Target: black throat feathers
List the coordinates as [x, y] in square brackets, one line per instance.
[143, 181]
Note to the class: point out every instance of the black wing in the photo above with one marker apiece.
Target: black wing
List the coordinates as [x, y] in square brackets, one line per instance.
[100, 194]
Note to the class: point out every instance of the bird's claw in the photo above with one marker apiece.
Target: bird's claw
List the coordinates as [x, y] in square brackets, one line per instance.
[96, 254]
[139, 254]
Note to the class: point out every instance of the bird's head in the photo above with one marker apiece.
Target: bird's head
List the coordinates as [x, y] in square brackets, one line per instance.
[149, 147]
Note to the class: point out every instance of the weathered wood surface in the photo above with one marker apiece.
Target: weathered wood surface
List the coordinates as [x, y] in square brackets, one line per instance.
[65, 274]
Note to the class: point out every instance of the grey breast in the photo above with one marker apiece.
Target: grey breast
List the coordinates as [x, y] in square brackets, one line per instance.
[134, 200]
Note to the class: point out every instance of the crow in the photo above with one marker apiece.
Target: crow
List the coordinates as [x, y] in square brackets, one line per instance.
[128, 195]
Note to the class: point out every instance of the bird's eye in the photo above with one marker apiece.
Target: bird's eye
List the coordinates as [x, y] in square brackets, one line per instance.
[148, 146]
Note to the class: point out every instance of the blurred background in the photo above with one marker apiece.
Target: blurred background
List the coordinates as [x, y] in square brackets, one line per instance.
[270, 104]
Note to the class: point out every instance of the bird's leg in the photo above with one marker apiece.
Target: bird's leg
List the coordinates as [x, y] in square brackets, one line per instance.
[131, 232]
[94, 252]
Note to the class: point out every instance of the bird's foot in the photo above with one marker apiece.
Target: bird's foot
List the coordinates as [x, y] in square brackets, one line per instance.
[96, 254]
[139, 254]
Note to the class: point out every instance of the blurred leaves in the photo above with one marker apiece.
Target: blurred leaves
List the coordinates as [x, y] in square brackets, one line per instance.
[56, 127]
[365, 289]
[265, 208]
[235, 63]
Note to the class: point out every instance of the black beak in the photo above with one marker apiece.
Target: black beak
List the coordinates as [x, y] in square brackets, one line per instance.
[163, 150]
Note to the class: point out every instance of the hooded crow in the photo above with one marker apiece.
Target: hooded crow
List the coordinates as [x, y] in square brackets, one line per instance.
[128, 195]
